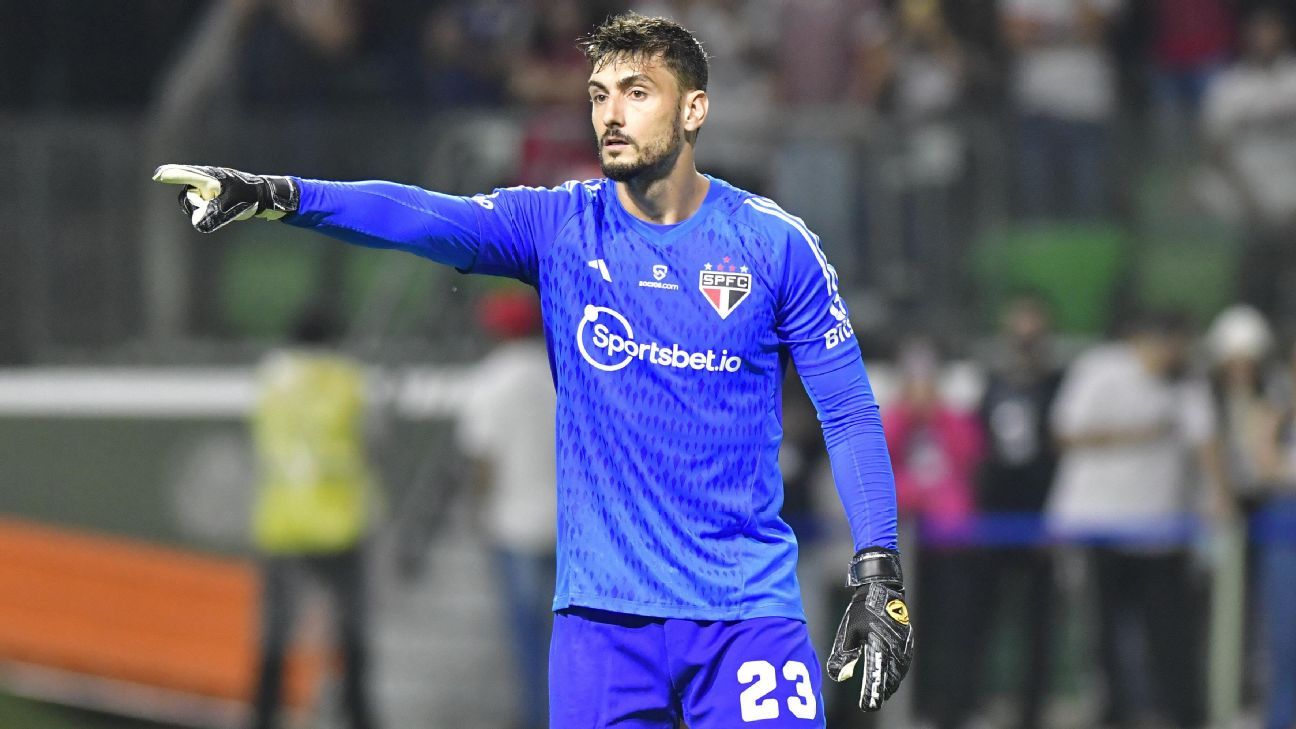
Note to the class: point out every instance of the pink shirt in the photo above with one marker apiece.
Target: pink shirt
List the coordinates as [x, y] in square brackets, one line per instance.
[935, 459]
[1190, 33]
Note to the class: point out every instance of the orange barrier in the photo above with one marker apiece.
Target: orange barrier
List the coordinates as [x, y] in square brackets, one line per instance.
[133, 612]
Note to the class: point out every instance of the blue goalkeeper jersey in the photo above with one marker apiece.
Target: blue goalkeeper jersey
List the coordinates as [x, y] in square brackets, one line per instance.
[668, 345]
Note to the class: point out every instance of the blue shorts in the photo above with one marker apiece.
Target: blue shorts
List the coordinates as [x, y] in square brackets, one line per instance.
[610, 669]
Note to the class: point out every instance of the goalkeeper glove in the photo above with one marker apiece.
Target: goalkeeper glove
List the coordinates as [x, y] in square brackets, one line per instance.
[214, 197]
[875, 629]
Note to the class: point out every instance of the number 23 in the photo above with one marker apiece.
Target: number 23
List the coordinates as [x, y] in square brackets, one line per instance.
[761, 676]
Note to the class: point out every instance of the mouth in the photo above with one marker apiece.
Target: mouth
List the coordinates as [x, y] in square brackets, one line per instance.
[615, 143]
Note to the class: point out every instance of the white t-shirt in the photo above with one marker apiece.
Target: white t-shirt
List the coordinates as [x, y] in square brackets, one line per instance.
[508, 421]
[1252, 111]
[1115, 487]
[1065, 78]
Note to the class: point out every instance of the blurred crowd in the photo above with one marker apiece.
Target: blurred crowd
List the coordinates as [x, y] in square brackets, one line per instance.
[1085, 490]
[1116, 467]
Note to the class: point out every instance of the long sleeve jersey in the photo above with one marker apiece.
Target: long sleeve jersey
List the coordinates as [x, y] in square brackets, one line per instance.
[667, 345]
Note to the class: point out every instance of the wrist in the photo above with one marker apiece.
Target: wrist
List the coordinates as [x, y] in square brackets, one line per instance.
[284, 195]
[279, 196]
[874, 564]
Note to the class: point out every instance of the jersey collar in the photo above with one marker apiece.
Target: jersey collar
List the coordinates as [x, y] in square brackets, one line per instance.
[665, 234]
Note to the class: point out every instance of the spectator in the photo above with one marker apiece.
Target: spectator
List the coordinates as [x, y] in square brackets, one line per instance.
[550, 77]
[920, 76]
[1250, 119]
[302, 63]
[314, 507]
[301, 54]
[823, 46]
[1276, 533]
[1127, 419]
[552, 70]
[507, 428]
[456, 72]
[1064, 97]
[919, 70]
[978, 28]
[824, 86]
[1239, 342]
[935, 451]
[1189, 44]
[1247, 392]
[1014, 486]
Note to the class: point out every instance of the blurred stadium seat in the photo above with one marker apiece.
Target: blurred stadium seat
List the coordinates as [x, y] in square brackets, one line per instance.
[81, 610]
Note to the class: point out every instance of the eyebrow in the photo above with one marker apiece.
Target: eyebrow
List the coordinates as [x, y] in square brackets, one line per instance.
[634, 79]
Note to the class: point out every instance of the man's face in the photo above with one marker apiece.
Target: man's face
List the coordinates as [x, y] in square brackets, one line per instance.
[1265, 36]
[1026, 321]
[636, 109]
[1167, 353]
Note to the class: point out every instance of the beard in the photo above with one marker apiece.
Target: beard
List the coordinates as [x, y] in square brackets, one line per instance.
[654, 160]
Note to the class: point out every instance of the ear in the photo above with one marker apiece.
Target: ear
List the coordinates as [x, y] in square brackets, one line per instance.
[694, 110]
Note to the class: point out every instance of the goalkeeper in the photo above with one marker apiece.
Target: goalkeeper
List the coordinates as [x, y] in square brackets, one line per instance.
[672, 303]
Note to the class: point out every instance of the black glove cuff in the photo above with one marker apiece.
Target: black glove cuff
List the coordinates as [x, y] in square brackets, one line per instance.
[285, 197]
[874, 564]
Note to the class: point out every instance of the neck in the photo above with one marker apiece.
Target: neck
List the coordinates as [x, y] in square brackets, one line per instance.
[1148, 358]
[1025, 368]
[669, 199]
[1264, 60]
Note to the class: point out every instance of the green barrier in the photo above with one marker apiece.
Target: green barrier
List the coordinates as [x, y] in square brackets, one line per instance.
[1078, 267]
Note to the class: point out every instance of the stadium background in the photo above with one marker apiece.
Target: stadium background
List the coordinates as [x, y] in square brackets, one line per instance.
[126, 339]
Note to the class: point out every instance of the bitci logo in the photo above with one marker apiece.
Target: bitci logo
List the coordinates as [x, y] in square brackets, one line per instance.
[607, 341]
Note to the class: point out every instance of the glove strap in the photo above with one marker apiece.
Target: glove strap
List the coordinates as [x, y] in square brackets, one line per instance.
[874, 564]
[284, 196]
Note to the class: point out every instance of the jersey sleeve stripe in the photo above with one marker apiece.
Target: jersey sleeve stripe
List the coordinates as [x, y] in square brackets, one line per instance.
[769, 208]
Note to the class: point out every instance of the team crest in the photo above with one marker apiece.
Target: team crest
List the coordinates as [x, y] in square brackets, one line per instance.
[725, 286]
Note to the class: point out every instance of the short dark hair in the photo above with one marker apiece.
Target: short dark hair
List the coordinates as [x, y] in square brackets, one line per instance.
[640, 38]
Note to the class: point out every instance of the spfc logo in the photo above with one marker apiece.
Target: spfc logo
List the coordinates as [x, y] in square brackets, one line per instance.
[725, 286]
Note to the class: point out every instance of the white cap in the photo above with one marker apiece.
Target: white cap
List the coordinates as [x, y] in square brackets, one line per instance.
[1239, 332]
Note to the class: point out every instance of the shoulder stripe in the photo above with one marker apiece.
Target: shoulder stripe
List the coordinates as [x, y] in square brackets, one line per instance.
[769, 208]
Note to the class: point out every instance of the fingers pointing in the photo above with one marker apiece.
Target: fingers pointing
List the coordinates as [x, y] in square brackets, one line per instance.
[208, 186]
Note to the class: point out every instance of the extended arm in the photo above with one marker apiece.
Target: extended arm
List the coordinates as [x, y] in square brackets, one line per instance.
[496, 234]
[376, 214]
[379, 214]
[1115, 437]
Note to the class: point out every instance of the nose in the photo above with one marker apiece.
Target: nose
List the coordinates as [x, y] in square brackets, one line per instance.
[611, 113]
